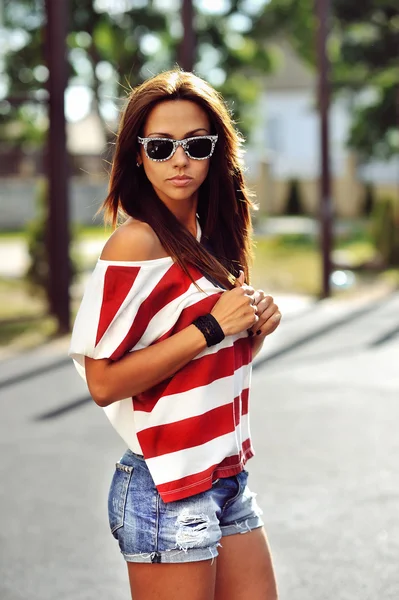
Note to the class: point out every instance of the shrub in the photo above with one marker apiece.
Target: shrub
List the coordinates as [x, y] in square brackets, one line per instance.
[293, 204]
[38, 272]
[369, 199]
[385, 231]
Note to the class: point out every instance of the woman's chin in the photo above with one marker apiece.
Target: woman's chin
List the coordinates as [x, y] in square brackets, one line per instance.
[181, 194]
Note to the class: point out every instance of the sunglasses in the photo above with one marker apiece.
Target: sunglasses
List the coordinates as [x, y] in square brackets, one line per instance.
[197, 148]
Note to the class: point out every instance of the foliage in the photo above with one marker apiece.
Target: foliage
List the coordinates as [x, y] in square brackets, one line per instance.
[114, 46]
[385, 231]
[295, 19]
[278, 268]
[369, 199]
[368, 60]
[363, 49]
[38, 272]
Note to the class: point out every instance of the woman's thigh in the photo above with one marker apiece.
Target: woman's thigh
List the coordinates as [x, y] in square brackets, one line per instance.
[183, 581]
[244, 568]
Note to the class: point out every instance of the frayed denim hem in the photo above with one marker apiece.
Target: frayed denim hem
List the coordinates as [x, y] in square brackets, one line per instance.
[173, 556]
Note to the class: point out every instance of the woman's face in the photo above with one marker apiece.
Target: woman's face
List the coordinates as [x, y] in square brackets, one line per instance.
[176, 119]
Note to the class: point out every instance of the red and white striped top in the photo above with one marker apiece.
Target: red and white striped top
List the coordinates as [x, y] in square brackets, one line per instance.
[192, 428]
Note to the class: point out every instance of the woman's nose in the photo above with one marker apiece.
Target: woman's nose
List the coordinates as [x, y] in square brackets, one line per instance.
[180, 157]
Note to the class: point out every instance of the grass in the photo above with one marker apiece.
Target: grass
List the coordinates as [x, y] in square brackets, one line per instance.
[94, 232]
[82, 232]
[23, 319]
[279, 266]
[17, 300]
[24, 333]
[291, 263]
[391, 276]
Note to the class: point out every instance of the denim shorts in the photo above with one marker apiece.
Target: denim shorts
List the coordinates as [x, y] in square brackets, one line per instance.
[151, 531]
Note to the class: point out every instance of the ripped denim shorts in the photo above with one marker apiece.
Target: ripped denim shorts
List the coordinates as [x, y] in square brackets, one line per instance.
[151, 531]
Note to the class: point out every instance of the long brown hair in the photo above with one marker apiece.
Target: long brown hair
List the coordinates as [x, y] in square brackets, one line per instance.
[223, 202]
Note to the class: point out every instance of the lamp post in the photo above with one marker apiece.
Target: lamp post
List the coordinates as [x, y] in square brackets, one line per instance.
[326, 212]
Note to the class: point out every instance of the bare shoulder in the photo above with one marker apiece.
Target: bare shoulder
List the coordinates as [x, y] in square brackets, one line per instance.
[133, 241]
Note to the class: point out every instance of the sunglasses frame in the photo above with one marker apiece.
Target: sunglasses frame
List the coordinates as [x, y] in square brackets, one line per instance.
[177, 143]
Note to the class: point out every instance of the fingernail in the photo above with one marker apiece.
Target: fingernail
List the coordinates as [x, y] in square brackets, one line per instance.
[258, 332]
[250, 333]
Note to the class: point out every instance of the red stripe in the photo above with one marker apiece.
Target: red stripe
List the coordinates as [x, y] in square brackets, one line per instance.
[187, 433]
[200, 482]
[118, 282]
[189, 314]
[242, 352]
[211, 473]
[172, 285]
[197, 373]
[244, 401]
[247, 446]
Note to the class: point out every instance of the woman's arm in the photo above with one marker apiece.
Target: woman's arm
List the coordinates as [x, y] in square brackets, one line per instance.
[110, 381]
[138, 371]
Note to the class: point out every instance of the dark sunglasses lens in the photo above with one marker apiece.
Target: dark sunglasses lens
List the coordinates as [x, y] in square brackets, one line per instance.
[159, 149]
[199, 148]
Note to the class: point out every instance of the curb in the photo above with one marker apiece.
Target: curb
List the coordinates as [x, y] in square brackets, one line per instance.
[320, 319]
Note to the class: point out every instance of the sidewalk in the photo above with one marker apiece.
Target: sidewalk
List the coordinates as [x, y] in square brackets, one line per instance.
[14, 257]
[319, 318]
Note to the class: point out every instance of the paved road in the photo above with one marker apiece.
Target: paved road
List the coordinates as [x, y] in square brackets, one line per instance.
[325, 414]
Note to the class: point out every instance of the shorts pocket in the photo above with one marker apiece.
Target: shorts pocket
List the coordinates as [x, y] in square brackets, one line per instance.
[117, 496]
[240, 487]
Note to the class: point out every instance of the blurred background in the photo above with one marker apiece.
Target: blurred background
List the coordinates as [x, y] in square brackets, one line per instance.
[314, 87]
[328, 219]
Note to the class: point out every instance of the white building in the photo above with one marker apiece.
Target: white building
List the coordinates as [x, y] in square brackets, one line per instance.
[287, 141]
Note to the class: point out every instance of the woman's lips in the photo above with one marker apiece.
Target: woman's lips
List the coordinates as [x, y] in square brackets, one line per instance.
[180, 181]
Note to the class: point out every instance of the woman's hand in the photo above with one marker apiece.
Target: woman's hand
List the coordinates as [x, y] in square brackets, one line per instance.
[268, 313]
[235, 311]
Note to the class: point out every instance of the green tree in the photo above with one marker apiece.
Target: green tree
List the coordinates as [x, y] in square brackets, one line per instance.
[112, 49]
[368, 60]
[363, 50]
[106, 51]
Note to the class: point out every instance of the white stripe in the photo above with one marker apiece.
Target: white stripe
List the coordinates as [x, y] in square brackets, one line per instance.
[194, 402]
[87, 320]
[176, 465]
[227, 342]
[242, 379]
[86, 323]
[167, 317]
[143, 285]
[245, 428]
[121, 416]
[144, 264]
[124, 420]
[176, 407]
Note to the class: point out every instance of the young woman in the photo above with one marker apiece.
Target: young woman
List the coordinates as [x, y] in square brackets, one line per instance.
[165, 337]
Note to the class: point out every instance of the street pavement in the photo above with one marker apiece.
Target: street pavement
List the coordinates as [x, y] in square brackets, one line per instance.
[324, 424]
